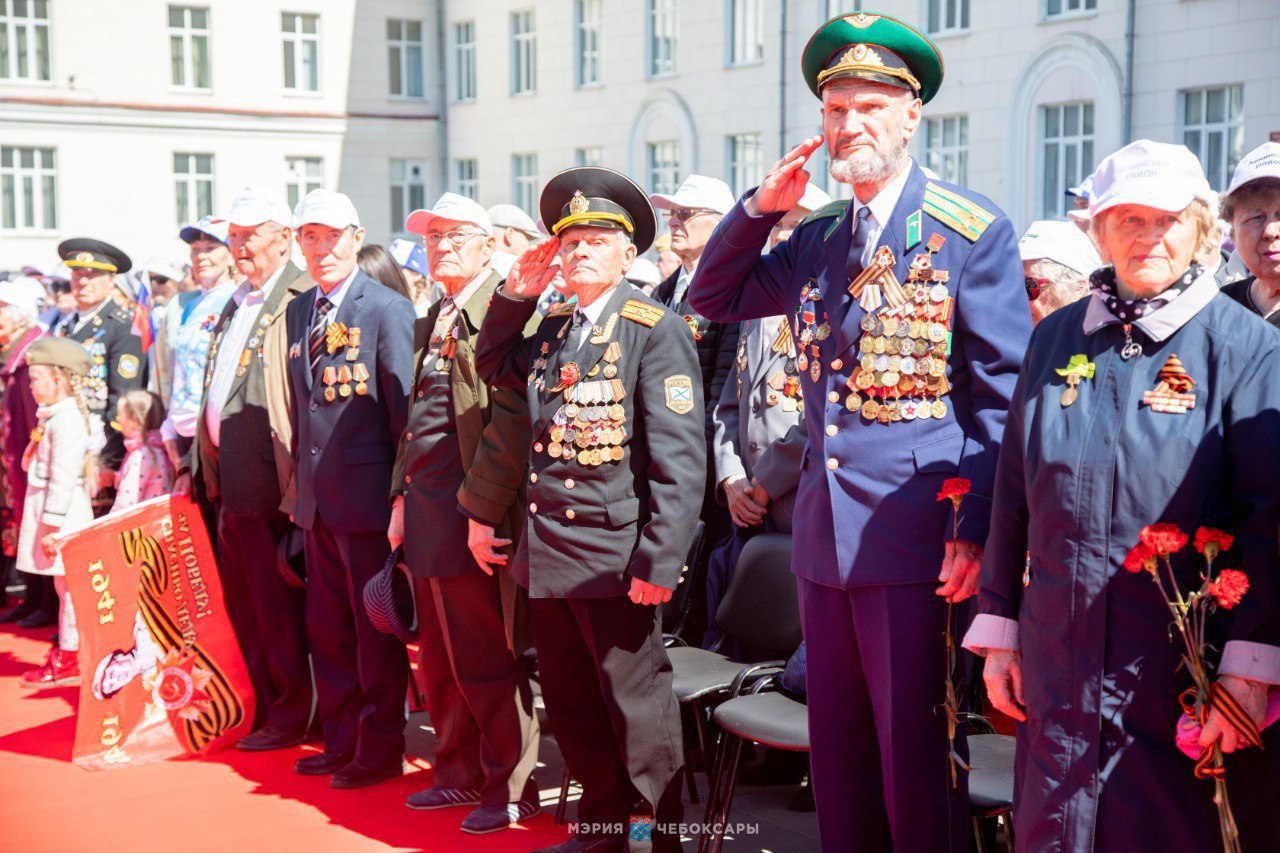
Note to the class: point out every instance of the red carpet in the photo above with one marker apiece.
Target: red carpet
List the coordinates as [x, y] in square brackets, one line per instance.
[231, 802]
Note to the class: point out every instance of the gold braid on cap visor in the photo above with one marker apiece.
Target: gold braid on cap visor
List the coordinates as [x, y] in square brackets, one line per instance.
[85, 260]
[862, 58]
[593, 216]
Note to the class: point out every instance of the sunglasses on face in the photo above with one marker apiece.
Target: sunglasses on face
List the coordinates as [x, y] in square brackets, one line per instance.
[1034, 286]
[684, 215]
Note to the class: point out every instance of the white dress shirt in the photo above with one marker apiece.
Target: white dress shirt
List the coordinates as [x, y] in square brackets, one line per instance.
[881, 210]
[335, 298]
[590, 316]
[248, 307]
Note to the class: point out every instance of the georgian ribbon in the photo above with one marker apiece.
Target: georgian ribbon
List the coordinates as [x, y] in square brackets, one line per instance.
[1224, 701]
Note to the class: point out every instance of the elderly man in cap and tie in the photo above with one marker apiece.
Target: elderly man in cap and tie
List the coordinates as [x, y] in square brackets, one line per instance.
[513, 233]
[457, 505]
[616, 415]
[349, 361]
[240, 465]
[910, 324]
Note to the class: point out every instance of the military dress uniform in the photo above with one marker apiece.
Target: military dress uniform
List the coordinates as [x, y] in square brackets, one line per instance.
[909, 346]
[618, 446]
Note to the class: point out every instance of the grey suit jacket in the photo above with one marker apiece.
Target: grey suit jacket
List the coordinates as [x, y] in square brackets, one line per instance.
[755, 435]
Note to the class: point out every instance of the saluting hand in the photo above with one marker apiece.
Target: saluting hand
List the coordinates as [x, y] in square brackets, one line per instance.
[643, 592]
[533, 271]
[784, 183]
[484, 544]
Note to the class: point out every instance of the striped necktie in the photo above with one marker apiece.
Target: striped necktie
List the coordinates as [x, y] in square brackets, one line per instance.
[318, 327]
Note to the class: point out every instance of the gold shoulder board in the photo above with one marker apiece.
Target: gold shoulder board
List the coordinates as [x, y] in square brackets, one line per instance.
[965, 217]
[561, 309]
[642, 313]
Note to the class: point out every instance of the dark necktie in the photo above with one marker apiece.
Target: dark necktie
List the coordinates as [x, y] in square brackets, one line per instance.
[68, 326]
[318, 327]
[862, 231]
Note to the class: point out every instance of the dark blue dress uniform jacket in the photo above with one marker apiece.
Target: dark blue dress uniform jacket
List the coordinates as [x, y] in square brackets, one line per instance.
[874, 518]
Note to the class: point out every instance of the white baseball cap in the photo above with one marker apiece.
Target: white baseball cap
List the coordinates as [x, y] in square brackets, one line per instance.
[1152, 174]
[454, 208]
[1261, 162]
[24, 293]
[643, 271]
[253, 206]
[1084, 191]
[167, 267]
[698, 191]
[814, 197]
[325, 207]
[510, 216]
[212, 227]
[1061, 242]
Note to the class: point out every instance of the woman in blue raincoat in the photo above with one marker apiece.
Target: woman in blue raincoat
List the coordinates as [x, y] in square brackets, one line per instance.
[1155, 399]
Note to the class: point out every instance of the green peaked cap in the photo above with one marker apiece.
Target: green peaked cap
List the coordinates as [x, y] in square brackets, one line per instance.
[874, 47]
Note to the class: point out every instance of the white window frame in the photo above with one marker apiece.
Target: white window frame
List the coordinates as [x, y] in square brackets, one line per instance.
[946, 147]
[1057, 10]
[590, 155]
[28, 189]
[524, 52]
[464, 61]
[407, 180]
[836, 8]
[405, 56]
[524, 182]
[947, 17]
[1200, 133]
[26, 38]
[588, 26]
[182, 54]
[193, 188]
[466, 177]
[744, 33]
[300, 40]
[302, 175]
[662, 21]
[1081, 143]
[744, 154]
[662, 165]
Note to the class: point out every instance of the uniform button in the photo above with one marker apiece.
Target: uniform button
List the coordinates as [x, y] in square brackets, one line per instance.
[833, 397]
[314, 451]
[832, 429]
[533, 478]
[569, 514]
[533, 509]
[754, 446]
[833, 463]
[537, 447]
[836, 364]
[568, 484]
[314, 407]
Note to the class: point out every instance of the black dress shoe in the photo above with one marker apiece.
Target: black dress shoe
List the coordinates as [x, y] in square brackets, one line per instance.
[268, 738]
[362, 774]
[15, 614]
[322, 763]
[39, 619]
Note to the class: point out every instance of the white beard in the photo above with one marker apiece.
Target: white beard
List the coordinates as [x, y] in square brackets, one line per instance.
[867, 168]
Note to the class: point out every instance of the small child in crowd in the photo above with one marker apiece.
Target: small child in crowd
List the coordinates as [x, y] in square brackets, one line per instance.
[146, 471]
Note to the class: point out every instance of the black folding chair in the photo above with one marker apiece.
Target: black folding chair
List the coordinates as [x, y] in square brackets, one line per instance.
[991, 759]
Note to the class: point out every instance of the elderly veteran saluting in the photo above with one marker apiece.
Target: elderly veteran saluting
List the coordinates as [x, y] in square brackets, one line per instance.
[1155, 400]
[1252, 207]
[349, 361]
[617, 464]
[457, 504]
[908, 311]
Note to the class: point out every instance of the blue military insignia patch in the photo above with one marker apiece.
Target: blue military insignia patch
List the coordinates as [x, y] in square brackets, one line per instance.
[679, 394]
[127, 367]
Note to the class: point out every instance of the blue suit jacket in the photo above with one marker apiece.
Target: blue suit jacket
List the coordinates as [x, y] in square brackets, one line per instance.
[344, 450]
[873, 518]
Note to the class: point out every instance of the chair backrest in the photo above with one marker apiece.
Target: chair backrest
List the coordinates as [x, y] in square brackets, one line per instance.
[761, 607]
[694, 572]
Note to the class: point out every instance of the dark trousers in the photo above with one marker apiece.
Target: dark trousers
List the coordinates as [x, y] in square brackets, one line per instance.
[606, 682]
[877, 668]
[361, 675]
[477, 692]
[269, 617]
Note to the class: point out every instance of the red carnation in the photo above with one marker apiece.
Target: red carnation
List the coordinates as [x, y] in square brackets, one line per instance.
[954, 489]
[1212, 542]
[1164, 539]
[1230, 587]
[1141, 557]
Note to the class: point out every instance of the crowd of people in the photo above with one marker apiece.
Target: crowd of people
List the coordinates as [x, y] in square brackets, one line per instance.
[534, 421]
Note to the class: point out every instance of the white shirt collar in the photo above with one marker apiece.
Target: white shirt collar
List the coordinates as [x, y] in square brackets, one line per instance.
[885, 201]
[591, 313]
[1161, 323]
[468, 290]
[336, 295]
[246, 291]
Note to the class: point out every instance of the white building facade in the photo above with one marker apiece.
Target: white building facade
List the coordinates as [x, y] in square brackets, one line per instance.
[1035, 93]
[125, 120]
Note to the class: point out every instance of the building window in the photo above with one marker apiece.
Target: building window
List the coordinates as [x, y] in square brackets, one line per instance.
[304, 174]
[946, 16]
[301, 52]
[662, 25]
[193, 186]
[664, 166]
[404, 58]
[1067, 143]
[947, 148]
[408, 191]
[24, 40]
[189, 46]
[464, 61]
[587, 18]
[466, 178]
[524, 53]
[842, 7]
[28, 189]
[746, 161]
[588, 156]
[1212, 124]
[746, 31]
[524, 182]
[1060, 8]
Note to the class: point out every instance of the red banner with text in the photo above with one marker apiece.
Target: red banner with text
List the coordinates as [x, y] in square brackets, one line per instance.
[161, 671]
